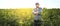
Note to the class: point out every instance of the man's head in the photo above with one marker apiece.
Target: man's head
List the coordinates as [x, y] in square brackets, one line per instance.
[37, 5]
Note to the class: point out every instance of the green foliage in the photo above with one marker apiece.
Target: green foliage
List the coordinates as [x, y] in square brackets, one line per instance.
[51, 17]
[24, 17]
[7, 18]
[15, 17]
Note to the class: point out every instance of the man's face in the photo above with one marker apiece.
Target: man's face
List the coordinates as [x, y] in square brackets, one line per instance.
[37, 6]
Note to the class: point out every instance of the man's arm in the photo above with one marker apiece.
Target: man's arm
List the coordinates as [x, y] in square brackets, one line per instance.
[35, 13]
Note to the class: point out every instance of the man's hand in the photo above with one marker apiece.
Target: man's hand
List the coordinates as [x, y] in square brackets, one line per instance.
[36, 13]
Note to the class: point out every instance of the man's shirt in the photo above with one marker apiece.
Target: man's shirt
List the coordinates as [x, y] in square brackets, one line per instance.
[39, 10]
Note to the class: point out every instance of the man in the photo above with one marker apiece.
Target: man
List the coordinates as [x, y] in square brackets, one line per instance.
[37, 14]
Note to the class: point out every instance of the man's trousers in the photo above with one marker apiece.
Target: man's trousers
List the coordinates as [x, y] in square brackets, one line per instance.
[37, 23]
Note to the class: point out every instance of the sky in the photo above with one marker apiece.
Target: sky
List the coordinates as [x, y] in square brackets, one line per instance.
[29, 3]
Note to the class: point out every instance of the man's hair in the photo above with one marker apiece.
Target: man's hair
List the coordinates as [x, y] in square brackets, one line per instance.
[36, 3]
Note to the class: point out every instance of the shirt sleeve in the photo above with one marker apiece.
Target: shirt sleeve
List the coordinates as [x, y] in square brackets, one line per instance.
[34, 11]
[39, 12]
